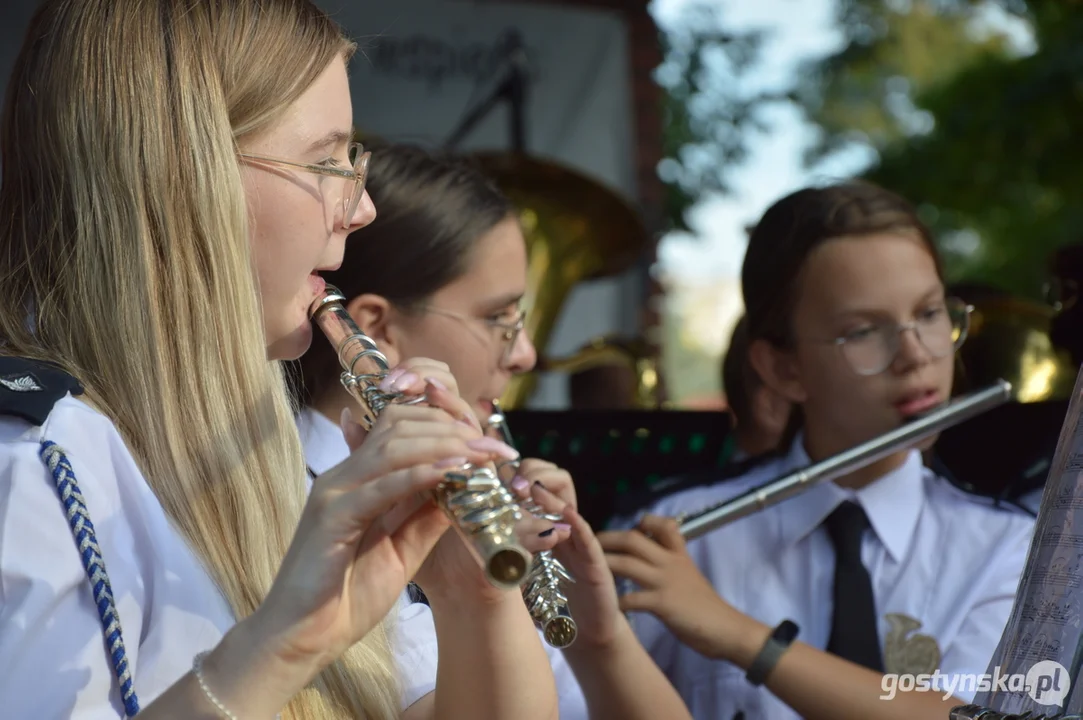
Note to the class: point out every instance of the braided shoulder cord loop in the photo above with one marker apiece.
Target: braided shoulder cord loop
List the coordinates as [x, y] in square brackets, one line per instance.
[85, 539]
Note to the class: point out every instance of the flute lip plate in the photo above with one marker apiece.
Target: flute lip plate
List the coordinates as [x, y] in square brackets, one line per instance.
[331, 294]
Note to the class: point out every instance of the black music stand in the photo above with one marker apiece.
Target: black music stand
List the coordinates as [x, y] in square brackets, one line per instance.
[1005, 452]
[622, 457]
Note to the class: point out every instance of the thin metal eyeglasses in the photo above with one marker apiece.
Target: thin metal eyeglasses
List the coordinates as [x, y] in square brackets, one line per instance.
[509, 330]
[941, 330]
[351, 191]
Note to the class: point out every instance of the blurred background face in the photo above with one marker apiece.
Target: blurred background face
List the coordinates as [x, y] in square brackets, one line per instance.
[862, 289]
[470, 323]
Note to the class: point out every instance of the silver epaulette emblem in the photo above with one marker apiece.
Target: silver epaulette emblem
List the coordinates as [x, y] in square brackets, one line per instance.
[25, 383]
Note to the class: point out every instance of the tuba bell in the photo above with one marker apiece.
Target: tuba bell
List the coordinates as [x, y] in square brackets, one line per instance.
[1010, 337]
[633, 355]
[576, 230]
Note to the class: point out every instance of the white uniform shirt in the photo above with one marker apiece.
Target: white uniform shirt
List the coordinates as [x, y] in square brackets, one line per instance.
[53, 661]
[325, 448]
[1032, 500]
[944, 565]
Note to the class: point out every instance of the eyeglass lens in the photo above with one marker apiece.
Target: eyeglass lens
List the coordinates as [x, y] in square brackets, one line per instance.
[941, 331]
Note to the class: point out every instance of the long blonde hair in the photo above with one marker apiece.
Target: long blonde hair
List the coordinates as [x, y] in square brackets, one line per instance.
[124, 239]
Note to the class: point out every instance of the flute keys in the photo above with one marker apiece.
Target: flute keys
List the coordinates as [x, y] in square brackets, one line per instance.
[487, 516]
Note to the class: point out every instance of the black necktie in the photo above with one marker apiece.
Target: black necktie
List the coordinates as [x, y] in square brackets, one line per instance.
[854, 634]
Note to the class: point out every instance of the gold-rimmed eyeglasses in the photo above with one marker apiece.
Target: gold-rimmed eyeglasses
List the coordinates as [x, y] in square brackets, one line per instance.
[509, 331]
[357, 174]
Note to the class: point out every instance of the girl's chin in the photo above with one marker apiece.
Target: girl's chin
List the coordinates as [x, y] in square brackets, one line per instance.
[292, 345]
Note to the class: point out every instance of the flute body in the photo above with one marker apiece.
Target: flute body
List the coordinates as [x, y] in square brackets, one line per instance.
[952, 413]
[543, 591]
[482, 510]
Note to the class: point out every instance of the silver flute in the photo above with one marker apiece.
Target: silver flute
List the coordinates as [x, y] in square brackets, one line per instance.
[482, 510]
[543, 593]
[951, 413]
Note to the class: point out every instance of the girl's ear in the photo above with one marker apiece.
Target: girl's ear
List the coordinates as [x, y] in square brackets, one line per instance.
[778, 369]
[374, 315]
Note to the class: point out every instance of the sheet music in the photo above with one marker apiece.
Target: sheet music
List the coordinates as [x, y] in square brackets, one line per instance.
[1046, 623]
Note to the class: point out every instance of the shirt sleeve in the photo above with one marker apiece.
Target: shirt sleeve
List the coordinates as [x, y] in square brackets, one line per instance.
[969, 655]
[415, 650]
[53, 659]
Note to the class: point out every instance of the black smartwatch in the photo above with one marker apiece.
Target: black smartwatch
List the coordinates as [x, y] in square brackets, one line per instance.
[779, 641]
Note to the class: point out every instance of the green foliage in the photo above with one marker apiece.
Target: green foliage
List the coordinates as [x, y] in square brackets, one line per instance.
[894, 51]
[1004, 159]
[706, 116]
[983, 140]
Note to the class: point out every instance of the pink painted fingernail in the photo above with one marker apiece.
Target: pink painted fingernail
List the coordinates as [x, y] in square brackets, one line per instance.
[562, 526]
[403, 382]
[519, 484]
[388, 382]
[487, 444]
[449, 463]
[436, 383]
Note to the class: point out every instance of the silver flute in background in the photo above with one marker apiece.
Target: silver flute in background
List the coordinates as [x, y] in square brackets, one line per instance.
[952, 413]
[543, 594]
[482, 510]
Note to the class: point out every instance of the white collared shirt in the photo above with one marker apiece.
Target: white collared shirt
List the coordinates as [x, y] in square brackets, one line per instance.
[53, 661]
[944, 564]
[325, 448]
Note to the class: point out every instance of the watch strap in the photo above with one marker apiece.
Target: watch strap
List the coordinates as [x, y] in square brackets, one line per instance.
[777, 644]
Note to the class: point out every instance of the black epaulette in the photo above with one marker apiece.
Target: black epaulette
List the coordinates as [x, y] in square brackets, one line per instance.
[416, 594]
[1008, 499]
[30, 388]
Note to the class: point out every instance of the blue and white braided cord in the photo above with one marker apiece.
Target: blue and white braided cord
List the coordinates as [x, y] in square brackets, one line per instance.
[86, 540]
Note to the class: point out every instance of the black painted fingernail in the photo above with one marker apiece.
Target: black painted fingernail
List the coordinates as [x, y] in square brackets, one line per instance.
[547, 533]
[538, 483]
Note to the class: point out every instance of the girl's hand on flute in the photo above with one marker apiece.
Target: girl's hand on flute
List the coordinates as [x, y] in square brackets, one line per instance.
[433, 379]
[367, 526]
[671, 587]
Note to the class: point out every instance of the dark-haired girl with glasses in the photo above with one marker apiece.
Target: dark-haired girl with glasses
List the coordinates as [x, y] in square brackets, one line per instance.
[838, 603]
[442, 271]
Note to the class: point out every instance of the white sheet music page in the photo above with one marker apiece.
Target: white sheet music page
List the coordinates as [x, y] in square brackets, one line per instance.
[1038, 666]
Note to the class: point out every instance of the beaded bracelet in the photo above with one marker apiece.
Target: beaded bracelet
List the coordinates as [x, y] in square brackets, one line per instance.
[197, 670]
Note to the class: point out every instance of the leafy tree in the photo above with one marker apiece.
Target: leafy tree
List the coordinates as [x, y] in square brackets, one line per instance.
[868, 92]
[707, 117]
[1003, 163]
[982, 138]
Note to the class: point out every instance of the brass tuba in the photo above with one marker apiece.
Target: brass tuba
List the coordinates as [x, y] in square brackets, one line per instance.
[576, 229]
[632, 354]
[1009, 337]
